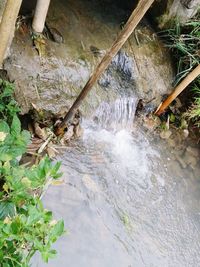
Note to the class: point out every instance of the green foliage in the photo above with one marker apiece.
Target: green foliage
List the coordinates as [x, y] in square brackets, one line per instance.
[184, 42]
[193, 113]
[8, 106]
[25, 226]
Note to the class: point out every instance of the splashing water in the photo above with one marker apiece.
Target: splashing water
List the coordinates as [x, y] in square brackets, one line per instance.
[123, 203]
[117, 115]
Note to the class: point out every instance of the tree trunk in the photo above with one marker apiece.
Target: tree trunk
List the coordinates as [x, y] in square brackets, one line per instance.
[7, 26]
[40, 15]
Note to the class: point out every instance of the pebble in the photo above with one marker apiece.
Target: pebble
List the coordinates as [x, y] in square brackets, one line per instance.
[151, 123]
[185, 134]
[165, 134]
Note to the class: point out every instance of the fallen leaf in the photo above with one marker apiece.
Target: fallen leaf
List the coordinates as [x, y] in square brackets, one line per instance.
[51, 152]
[59, 182]
[40, 132]
[40, 45]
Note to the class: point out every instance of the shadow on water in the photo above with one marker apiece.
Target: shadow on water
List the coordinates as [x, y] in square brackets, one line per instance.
[125, 201]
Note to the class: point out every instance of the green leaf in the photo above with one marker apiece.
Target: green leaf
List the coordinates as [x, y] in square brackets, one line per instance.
[26, 136]
[34, 215]
[15, 126]
[172, 117]
[57, 230]
[6, 209]
[54, 173]
[15, 227]
[46, 255]
[4, 127]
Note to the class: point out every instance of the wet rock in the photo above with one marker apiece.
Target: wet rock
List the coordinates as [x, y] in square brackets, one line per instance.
[196, 172]
[151, 122]
[185, 134]
[68, 134]
[190, 160]
[168, 10]
[56, 35]
[124, 64]
[192, 151]
[140, 107]
[165, 134]
[181, 161]
[78, 131]
[75, 121]
[96, 51]
[171, 142]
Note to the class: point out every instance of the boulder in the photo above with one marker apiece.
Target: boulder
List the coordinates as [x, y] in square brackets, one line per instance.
[167, 11]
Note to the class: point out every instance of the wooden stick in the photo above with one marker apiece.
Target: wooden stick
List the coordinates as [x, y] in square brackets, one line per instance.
[185, 82]
[41, 10]
[131, 24]
[7, 26]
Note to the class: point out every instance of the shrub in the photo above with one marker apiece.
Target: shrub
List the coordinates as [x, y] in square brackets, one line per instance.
[25, 225]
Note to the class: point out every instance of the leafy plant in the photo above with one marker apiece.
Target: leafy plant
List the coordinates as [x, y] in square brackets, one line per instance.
[8, 105]
[193, 113]
[184, 42]
[25, 225]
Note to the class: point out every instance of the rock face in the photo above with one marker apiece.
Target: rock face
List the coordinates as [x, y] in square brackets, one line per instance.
[171, 9]
[142, 68]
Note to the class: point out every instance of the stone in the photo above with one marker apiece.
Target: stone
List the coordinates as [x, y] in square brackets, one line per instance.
[165, 134]
[171, 142]
[190, 160]
[185, 133]
[181, 161]
[78, 131]
[192, 151]
[151, 122]
[167, 11]
[68, 134]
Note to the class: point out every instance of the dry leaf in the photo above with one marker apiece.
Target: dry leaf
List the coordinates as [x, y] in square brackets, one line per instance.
[41, 133]
[40, 45]
[51, 152]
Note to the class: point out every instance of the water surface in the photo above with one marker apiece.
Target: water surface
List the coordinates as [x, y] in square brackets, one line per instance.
[126, 202]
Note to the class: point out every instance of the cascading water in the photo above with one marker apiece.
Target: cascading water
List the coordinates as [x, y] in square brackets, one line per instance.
[123, 198]
[116, 116]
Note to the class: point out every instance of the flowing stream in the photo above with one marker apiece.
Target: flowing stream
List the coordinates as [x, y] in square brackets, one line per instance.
[125, 201]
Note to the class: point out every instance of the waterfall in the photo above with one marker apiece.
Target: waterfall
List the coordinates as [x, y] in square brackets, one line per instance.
[117, 115]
